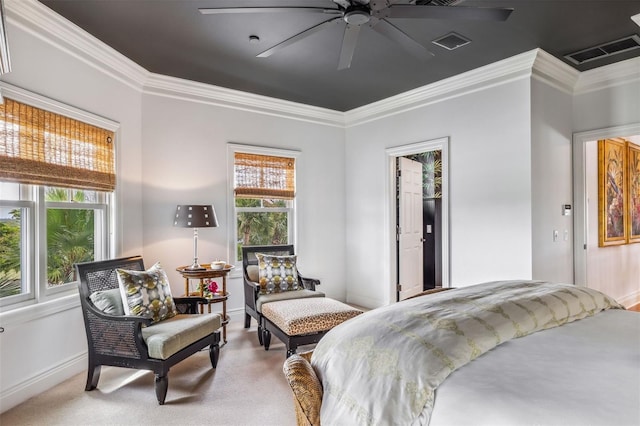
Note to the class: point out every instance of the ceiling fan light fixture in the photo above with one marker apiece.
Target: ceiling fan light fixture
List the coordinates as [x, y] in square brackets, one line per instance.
[356, 15]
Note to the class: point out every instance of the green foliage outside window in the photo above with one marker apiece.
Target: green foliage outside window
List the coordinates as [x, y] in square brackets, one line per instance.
[262, 227]
[10, 255]
[70, 236]
[70, 239]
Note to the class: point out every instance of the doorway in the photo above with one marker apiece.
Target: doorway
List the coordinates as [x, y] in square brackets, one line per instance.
[613, 270]
[419, 229]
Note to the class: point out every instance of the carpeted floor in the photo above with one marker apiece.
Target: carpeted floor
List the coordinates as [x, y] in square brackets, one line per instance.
[247, 388]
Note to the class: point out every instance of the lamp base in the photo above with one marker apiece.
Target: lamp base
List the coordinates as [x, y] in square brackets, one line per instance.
[195, 267]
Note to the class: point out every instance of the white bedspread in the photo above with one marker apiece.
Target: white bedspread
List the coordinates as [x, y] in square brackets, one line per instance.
[383, 367]
[583, 373]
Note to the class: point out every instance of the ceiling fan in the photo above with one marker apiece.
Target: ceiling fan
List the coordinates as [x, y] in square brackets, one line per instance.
[374, 14]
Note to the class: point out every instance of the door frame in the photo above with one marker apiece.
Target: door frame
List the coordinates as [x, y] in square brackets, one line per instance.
[580, 219]
[391, 266]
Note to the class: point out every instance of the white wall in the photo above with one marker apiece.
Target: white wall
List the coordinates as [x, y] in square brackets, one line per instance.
[551, 183]
[490, 188]
[44, 344]
[184, 161]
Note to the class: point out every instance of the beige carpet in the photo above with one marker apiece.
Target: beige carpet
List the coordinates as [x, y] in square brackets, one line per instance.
[247, 388]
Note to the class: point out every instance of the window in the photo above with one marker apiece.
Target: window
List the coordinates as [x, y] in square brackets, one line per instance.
[57, 177]
[264, 189]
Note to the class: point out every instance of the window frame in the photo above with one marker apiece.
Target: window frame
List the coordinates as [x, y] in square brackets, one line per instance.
[33, 196]
[27, 238]
[233, 211]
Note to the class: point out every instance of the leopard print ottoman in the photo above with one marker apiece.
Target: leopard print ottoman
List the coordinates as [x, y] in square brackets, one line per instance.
[303, 321]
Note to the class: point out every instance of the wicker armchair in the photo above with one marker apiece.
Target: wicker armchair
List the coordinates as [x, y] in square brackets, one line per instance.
[252, 297]
[306, 387]
[117, 340]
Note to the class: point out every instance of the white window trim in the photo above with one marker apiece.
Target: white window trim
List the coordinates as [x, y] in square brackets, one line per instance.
[38, 291]
[232, 148]
[28, 239]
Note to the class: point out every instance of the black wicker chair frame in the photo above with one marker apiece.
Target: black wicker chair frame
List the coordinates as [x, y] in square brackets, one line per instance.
[117, 340]
[252, 290]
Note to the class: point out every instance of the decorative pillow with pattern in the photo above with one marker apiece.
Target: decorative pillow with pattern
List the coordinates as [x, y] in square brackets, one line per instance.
[277, 273]
[147, 293]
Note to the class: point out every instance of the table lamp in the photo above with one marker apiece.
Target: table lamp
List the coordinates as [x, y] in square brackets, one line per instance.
[192, 216]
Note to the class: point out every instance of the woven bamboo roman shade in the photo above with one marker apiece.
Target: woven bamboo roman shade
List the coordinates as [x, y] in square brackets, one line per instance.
[43, 148]
[264, 176]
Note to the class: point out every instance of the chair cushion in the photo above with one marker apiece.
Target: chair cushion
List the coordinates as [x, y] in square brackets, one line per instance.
[310, 315]
[277, 273]
[147, 293]
[108, 301]
[287, 295]
[253, 272]
[170, 336]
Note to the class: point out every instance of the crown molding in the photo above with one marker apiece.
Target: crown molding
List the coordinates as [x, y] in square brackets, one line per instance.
[554, 72]
[617, 74]
[43, 23]
[497, 73]
[177, 88]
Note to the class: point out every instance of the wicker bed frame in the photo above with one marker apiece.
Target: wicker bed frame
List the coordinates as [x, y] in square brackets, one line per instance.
[306, 387]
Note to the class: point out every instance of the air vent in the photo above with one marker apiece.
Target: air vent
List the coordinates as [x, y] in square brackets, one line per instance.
[604, 50]
[451, 41]
[440, 2]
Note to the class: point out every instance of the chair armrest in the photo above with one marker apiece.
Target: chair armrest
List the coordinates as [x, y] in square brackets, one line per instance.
[308, 283]
[115, 335]
[306, 387]
[251, 292]
[118, 318]
[188, 305]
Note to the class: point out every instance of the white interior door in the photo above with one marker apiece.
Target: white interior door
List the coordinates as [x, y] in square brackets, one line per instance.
[410, 239]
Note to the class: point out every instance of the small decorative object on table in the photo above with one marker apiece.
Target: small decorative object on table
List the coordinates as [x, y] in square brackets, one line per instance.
[209, 288]
[218, 264]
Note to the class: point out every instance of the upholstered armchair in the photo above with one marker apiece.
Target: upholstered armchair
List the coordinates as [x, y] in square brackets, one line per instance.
[133, 341]
[255, 294]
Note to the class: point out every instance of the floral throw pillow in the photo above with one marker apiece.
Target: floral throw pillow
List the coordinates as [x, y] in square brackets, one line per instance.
[146, 293]
[277, 273]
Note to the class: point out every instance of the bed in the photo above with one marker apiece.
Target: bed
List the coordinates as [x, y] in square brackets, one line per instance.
[498, 353]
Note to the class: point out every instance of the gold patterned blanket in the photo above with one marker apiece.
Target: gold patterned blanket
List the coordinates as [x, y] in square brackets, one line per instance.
[383, 367]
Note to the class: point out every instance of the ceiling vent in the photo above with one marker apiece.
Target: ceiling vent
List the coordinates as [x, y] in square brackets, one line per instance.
[604, 50]
[451, 41]
[440, 2]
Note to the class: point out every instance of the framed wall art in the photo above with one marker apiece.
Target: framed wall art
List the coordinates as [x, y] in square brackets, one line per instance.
[612, 183]
[633, 191]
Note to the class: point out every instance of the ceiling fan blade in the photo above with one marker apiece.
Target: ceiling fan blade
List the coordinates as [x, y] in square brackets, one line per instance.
[348, 45]
[393, 33]
[297, 37]
[448, 12]
[272, 9]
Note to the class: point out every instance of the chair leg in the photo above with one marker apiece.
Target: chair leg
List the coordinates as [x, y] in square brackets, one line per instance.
[247, 320]
[162, 384]
[260, 332]
[214, 354]
[93, 375]
[266, 338]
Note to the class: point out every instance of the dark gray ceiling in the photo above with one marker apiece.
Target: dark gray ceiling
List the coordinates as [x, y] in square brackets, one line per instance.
[171, 37]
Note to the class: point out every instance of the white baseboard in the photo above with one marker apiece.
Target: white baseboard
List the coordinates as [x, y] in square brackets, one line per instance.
[35, 385]
[630, 300]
